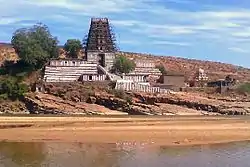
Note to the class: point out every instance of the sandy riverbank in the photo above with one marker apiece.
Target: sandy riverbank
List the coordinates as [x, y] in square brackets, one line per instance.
[157, 130]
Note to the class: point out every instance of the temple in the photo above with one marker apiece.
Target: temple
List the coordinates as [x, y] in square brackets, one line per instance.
[100, 54]
[100, 46]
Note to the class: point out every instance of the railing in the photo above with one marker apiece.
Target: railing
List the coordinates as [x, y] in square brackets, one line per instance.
[111, 77]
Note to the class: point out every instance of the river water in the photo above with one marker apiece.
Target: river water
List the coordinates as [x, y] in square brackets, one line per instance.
[122, 155]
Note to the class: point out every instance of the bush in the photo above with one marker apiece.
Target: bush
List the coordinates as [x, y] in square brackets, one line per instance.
[121, 94]
[244, 88]
[12, 88]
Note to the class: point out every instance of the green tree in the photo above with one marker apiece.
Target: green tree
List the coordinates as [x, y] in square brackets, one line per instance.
[162, 69]
[123, 65]
[73, 47]
[35, 45]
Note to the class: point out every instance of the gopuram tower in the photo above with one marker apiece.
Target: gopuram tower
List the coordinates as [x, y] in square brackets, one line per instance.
[100, 43]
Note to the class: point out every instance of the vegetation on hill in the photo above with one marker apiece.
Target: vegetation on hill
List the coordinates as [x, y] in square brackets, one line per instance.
[188, 67]
[34, 47]
[73, 47]
[123, 65]
[12, 88]
[19, 69]
[162, 69]
[244, 88]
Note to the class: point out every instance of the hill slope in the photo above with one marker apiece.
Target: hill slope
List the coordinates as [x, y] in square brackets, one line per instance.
[214, 70]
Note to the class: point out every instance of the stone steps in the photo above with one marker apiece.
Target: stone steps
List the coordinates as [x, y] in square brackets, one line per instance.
[68, 73]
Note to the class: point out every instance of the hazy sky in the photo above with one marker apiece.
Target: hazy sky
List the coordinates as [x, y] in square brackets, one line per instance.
[216, 30]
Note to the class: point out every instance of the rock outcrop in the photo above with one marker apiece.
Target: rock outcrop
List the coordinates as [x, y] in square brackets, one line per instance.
[16, 107]
[40, 103]
[198, 102]
[99, 99]
[75, 98]
[98, 104]
[100, 94]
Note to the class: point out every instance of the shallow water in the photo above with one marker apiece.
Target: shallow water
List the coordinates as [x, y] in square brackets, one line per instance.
[122, 155]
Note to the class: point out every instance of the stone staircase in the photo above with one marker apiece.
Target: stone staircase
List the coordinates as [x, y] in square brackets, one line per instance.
[68, 74]
[112, 77]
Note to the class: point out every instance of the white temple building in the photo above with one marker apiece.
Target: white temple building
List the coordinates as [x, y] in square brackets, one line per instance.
[99, 59]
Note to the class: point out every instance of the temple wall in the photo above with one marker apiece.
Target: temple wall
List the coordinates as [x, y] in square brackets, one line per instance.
[109, 60]
[142, 74]
[67, 62]
[146, 71]
[90, 77]
[174, 80]
[144, 63]
[92, 57]
[136, 87]
[135, 78]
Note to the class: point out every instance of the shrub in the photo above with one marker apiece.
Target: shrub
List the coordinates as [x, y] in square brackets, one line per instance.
[12, 88]
[244, 88]
[121, 94]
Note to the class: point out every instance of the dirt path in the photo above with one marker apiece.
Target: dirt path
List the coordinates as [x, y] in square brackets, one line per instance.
[157, 130]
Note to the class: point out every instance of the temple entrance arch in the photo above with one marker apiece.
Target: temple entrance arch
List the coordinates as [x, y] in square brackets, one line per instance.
[101, 59]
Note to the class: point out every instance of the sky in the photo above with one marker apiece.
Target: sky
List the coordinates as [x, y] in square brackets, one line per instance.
[216, 30]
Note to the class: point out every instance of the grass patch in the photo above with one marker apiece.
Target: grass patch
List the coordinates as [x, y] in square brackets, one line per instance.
[244, 88]
[121, 94]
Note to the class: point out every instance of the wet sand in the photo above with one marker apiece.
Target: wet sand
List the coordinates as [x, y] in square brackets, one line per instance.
[152, 130]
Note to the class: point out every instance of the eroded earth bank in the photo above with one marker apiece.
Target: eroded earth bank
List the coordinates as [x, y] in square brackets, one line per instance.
[100, 99]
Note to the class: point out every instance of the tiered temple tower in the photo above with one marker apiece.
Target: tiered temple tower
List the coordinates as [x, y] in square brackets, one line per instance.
[100, 43]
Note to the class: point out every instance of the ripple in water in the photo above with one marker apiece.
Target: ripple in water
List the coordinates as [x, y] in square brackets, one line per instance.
[122, 155]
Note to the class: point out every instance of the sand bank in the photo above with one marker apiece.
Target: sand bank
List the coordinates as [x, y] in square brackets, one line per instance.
[156, 130]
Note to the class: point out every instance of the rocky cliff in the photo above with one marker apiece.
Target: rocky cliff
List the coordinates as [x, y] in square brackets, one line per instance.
[7, 53]
[215, 70]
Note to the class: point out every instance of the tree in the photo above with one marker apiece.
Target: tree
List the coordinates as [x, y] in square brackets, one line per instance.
[35, 45]
[72, 47]
[162, 69]
[123, 65]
